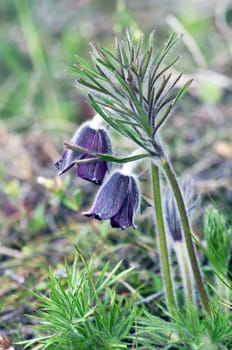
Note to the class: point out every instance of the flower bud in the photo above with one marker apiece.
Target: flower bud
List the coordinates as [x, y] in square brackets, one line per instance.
[171, 211]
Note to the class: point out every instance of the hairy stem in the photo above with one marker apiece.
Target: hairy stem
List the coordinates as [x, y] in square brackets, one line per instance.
[186, 273]
[162, 236]
[224, 293]
[187, 231]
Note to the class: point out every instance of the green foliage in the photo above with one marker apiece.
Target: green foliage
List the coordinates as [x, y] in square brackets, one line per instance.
[33, 90]
[187, 329]
[129, 88]
[58, 189]
[218, 237]
[83, 312]
[210, 93]
[38, 220]
[103, 156]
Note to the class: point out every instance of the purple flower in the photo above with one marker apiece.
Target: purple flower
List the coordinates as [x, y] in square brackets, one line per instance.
[93, 140]
[117, 200]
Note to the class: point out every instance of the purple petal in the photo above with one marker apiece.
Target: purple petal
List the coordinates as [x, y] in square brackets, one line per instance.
[105, 145]
[125, 216]
[85, 137]
[94, 171]
[92, 140]
[110, 198]
[105, 141]
[82, 138]
[67, 161]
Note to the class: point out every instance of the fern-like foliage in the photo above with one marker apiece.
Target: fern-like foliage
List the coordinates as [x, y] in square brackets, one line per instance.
[83, 312]
[132, 88]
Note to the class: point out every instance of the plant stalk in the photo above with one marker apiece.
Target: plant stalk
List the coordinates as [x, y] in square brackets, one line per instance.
[162, 237]
[224, 293]
[187, 231]
[186, 273]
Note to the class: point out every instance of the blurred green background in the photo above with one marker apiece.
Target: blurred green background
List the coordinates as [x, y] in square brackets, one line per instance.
[39, 40]
[40, 221]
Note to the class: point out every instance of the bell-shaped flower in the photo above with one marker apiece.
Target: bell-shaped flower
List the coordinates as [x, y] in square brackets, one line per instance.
[93, 140]
[117, 200]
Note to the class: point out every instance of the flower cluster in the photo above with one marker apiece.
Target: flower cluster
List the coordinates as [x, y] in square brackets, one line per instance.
[134, 94]
[118, 198]
[134, 91]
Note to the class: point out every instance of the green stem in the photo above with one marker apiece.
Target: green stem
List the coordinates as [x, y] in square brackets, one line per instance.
[186, 273]
[187, 232]
[162, 236]
[223, 292]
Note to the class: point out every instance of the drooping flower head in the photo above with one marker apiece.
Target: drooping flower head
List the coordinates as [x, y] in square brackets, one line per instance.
[117, 200]
[95, 140]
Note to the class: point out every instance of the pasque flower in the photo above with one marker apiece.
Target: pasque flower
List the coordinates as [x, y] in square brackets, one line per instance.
[93, 140]
[134, 90]
[117, 200]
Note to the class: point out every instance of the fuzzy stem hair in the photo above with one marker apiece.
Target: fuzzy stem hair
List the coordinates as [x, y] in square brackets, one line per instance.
[187, 231]
[164, 257]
